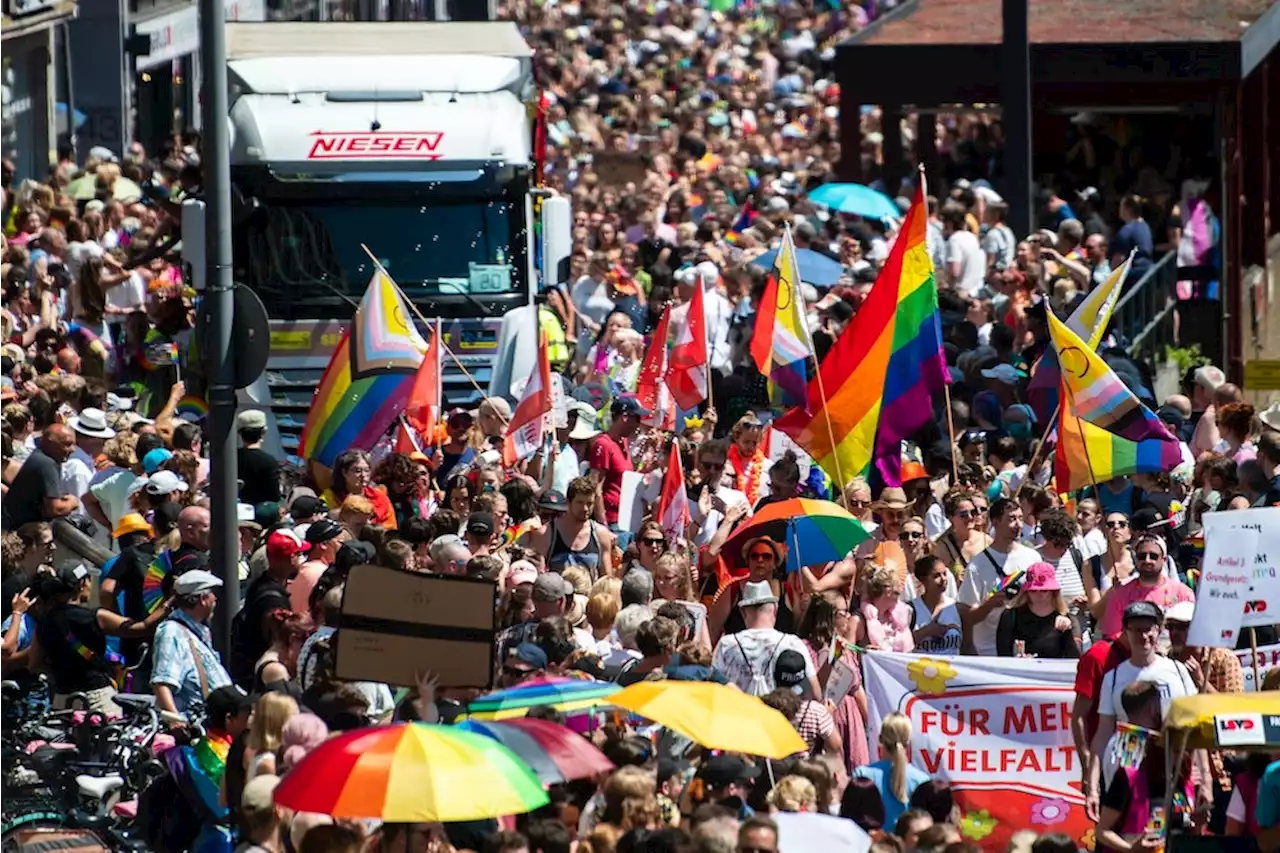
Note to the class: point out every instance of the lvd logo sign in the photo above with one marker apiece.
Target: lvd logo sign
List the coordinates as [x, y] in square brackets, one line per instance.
[1255, 607]
[1238, 724]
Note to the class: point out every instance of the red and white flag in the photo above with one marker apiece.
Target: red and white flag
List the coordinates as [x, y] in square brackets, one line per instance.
[407, 440]
[673, 501]
[651, 384]
[423, 409]
[533, 415]
[687, 374]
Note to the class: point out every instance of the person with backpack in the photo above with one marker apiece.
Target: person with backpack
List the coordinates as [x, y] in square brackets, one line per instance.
[747, 658]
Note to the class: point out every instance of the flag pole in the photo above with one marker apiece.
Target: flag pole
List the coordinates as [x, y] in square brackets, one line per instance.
[951, 432]
[1035, 457]
[443, 346]
[1093, 480]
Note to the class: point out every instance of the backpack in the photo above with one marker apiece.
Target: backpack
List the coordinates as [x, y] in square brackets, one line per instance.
[761, 683]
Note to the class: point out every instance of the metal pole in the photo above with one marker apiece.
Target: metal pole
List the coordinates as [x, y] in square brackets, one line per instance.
[1015, 97]
[225, 545]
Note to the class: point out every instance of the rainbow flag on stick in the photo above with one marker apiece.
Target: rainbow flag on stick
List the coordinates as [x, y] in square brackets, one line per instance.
[882, 373]
[368, 380]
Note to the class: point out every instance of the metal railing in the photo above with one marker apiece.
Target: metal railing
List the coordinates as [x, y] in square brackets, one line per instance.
[1143, 318]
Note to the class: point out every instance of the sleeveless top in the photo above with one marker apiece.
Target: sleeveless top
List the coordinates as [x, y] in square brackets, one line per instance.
[948, 643]
[893, 635]
[562, 554]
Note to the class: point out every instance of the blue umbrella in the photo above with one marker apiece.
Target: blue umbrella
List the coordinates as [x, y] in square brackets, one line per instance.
[855, 199]
[816, 268]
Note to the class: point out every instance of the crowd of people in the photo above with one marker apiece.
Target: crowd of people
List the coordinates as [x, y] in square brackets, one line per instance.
[721, 121]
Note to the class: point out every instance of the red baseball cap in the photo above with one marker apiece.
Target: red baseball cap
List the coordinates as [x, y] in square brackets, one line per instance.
[283, 544]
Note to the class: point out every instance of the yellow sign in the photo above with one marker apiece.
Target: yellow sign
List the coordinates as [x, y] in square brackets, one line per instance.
[1262, 375]
[291, 339]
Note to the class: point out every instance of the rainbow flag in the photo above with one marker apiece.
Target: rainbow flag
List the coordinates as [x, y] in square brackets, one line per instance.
[193, 407]
[781, 346]
[742, 223]
[1089, 454]
[368, 380]
[1089, 321]
[882, 373]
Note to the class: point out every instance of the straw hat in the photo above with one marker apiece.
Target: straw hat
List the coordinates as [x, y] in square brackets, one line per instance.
[892, 497]
[1270, 416]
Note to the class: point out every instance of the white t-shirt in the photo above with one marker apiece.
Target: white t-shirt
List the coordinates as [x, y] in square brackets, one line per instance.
[591, 298]
[1069, 574]
[112, 492]
[948, 643]
[982, 576]
[753, 652]
[963, 247]
[709, 523]
[1171, 678]
[77, 472]
[128, 295]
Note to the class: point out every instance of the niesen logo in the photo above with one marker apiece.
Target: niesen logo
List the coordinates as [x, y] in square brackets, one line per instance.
[375, 145]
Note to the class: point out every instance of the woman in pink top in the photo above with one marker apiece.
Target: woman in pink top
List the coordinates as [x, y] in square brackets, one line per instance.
[1235, 425]
[886, 620]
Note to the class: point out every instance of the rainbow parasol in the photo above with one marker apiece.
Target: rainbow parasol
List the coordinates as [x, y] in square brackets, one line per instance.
[192, 407]
[153, 591]
[814, 532]
[553, 752]
[562, 694]
[412, 773]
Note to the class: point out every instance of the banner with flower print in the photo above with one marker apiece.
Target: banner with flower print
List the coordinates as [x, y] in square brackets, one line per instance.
[998, 729]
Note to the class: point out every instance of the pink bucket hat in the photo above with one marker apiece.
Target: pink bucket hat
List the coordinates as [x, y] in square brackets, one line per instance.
[1041, 577]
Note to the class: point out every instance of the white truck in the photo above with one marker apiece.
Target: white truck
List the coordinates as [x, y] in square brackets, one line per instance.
[415, 139]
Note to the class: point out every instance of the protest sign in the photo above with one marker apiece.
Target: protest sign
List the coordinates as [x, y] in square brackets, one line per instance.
[1226, 575]
[396, 623]
[1268, 659]
[1262, 606]
[999, 729]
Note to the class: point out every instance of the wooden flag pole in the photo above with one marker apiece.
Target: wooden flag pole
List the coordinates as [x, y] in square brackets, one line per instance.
[951, 432]
[1253, 646]
[443, 346]
[1035, 457]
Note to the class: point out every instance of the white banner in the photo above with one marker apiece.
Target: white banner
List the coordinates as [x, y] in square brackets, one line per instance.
[1226, 575]
[1263, 604]
[1268, 659]
[999, 729]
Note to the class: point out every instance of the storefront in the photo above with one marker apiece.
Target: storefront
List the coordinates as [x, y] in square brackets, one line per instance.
[164, 95]
[28, 84]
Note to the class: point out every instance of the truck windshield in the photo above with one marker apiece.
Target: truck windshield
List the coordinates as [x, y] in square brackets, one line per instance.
[304, 253]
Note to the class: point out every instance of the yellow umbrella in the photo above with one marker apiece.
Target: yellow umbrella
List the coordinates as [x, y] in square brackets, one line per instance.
[713, 716]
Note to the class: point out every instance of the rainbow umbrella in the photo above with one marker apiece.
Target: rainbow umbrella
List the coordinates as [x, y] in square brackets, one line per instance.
[562, 694]
[814, 532]
[555, 753]
[412, 773]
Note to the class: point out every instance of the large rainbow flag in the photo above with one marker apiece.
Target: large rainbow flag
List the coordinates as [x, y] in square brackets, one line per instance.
[883, 372]
[1104, 430]
[781, 346]
[369, 377]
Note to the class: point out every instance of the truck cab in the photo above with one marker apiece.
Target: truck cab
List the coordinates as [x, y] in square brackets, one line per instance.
[412, 139]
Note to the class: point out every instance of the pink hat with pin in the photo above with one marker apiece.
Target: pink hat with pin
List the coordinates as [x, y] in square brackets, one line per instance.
[1041, 577]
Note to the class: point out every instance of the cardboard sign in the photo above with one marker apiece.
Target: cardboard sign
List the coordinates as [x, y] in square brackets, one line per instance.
[396, 625]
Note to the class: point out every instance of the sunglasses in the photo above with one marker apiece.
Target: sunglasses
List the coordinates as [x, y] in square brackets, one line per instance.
[1150, 555]
[859, 504]
[910, 534]
[761, 555]
[653, 543]
[966, 514]
[980, 510]
[1117, 525]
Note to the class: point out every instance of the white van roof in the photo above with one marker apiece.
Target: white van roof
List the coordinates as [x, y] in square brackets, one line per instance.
[369, 38]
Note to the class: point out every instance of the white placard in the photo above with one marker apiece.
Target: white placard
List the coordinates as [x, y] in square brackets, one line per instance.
[801, 832]
[630, 505]
[1268, 658]
[1239, 730]
[839, 681]
[1225, 577]
[1262, 606]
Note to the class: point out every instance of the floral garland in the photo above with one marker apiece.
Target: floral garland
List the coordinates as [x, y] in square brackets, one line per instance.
[749, 474]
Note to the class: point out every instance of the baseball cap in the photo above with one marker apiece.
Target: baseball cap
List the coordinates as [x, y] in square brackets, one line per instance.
[258, 797]
[1006, 373]
[322, 530]
[726, 769]
[283, 544]
[154, 459]
[306, 506]
[226, 701]
[788, 670]
[528, 655]
[267, 513]
[480, 523]
[196, 582]
[629, 404]
[1182, 612]
[1209, 377]
[1143, 610]
[522, 571]
[551, 587]
[66, 579]
[553, 501]
[251, 419]
[165, 482]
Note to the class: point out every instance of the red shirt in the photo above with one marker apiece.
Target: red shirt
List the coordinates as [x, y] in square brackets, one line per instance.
[1102, 657]
[612, 460]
